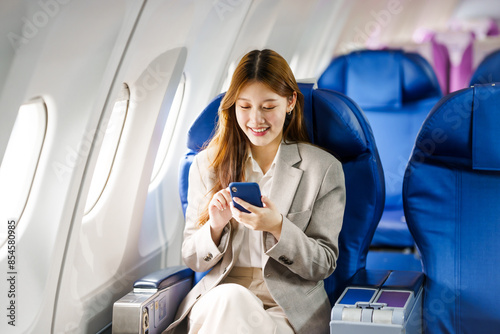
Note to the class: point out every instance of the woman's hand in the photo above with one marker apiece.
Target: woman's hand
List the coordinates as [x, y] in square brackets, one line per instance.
[220, 213]
[266, 219]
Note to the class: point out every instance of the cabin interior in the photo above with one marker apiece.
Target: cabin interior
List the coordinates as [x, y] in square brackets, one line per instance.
[97, 99]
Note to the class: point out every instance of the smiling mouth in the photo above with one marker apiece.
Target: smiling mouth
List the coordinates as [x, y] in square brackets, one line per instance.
[259, 131]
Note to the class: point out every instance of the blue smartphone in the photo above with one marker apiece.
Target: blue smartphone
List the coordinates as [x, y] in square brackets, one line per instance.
[247, 191]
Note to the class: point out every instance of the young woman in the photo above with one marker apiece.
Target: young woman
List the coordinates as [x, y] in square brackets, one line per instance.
[267, 266]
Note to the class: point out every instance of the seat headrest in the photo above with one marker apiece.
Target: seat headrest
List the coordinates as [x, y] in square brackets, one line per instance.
[203, 127]
[463, 130]
[488, 70]
[337, 127]
[381, 78]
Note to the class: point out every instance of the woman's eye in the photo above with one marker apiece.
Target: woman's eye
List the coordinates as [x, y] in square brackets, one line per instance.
[244, 107]
[269, 108]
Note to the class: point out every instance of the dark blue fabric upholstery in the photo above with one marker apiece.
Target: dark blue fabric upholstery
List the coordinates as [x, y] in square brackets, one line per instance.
[199, 133]
[396, 90]
[341, 127]
[335, 123]
[488, 70]
[452, 205]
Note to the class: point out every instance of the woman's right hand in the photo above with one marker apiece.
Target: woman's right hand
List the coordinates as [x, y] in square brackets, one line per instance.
[220, 213]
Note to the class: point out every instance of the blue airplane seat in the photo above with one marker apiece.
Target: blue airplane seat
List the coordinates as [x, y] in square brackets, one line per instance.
[488, 70]
[396, 90]
[337, 124]
[452, 205]
[199, 133]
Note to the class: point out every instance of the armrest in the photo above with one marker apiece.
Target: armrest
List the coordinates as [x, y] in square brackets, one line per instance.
[363, 286]
[151, 306]
[163, 278]
[380, 301]
[369, 278]
[376, 280]
[404, 280]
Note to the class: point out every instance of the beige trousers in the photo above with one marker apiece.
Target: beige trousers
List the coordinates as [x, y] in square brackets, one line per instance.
[241, 304]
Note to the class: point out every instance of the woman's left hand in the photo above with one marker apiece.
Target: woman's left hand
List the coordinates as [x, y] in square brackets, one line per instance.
[266, 219]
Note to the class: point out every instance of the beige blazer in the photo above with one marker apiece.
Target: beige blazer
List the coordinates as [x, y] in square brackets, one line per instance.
[308, 189]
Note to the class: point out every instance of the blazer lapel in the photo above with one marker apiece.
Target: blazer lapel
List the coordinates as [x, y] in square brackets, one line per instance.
[286, 178]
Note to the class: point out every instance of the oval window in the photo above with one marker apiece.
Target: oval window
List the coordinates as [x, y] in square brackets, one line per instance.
[109, 147]
[20, 160]
[169, 128]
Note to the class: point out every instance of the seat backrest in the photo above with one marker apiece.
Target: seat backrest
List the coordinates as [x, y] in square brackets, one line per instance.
[488, 70]
[396, 90]
[337, 124]
[452, 205]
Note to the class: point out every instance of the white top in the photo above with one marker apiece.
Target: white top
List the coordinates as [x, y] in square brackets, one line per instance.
[252, 248]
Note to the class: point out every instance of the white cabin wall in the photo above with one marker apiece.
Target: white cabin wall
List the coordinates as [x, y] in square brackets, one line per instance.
[16, 21]
[321, 34]
[11, 26]
[380, 23]
[70, 63]
[473, 9]
[303, 33]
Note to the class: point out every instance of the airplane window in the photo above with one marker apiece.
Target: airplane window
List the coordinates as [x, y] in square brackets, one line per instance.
[169, 128]
[21, 160]
[110, 140]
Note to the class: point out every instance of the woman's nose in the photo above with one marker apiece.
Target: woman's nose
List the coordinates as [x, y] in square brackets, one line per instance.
[256, 116]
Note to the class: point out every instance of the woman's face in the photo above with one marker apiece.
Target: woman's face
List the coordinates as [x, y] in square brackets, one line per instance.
[261, 113]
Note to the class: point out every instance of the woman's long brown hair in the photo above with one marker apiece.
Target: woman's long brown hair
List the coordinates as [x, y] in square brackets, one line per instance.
[229, 143]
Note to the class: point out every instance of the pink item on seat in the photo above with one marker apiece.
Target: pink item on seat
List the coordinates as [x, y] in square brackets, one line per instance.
[459, 45]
